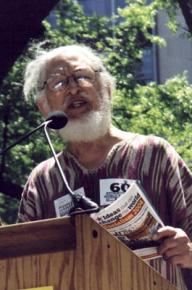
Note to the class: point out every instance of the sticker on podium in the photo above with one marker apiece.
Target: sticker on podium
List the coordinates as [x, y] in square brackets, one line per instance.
[39, 288]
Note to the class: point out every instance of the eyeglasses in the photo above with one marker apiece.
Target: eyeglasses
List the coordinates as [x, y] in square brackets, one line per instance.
[59, 82]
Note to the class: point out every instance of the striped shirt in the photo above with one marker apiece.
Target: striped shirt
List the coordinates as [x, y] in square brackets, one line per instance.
[152, 160]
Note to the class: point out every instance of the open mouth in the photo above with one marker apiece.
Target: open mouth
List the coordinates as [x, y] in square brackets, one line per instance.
[77, 107]
[77, 104]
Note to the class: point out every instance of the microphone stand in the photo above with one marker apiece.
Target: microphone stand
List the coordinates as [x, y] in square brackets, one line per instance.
[82, 203]
[25, 136]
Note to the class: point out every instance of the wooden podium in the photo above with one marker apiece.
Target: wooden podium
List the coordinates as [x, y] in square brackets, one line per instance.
[71, 254]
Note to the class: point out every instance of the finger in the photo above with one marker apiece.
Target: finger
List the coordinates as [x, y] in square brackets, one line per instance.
[166, 245]
[164, 232]
[179, 244]
[176, 251]
[177, 260]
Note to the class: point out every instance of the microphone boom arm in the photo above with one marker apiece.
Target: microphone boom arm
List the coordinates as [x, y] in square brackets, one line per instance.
[81, 202]
[25, 137]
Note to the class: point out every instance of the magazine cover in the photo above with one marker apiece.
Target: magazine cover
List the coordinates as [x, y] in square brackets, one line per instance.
[133, 220]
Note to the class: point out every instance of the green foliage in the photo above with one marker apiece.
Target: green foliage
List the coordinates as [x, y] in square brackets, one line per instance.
[164, 110]
[172, 8]
[8, 209]
[120, 39]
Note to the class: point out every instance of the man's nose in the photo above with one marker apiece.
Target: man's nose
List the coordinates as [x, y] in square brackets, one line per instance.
[72, 85]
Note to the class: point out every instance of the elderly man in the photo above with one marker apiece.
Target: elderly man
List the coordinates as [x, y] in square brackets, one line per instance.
[74, 80]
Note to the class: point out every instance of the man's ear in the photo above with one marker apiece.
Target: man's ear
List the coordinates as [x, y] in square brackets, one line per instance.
[109, 91]
[43, 106]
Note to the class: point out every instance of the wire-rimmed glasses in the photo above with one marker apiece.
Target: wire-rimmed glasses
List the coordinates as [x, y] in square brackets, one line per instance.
[58, 82]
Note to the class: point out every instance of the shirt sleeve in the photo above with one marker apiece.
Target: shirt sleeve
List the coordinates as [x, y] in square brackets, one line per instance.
[29, 209]
[178, 180]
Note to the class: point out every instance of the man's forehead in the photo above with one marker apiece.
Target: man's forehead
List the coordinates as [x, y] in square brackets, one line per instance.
[64, 62]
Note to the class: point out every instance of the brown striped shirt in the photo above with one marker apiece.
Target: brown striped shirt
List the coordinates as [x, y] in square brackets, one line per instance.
[152, 160]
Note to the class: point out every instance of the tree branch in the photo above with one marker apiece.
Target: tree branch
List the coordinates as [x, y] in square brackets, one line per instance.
[186, 8]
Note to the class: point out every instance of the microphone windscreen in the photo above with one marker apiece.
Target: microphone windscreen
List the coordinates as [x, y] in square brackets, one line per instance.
[58, 118]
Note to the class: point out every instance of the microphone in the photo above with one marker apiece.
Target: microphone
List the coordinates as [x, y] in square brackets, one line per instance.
[58, 120]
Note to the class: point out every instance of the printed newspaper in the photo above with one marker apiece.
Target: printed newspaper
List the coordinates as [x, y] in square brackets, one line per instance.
[132, 219]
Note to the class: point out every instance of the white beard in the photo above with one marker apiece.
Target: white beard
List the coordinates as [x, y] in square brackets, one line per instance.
[89, 127]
